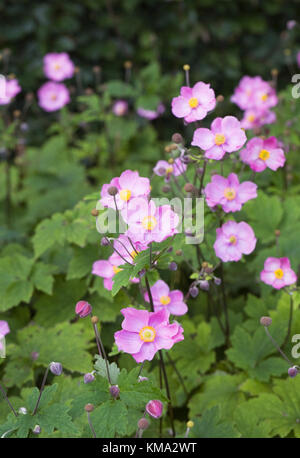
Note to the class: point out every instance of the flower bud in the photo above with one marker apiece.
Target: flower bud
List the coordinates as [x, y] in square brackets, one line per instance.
[173, 266]
[293, 371]
[277, 233]
[142, 379]
[94, 319]
[220, 98]
[177, 138]
[56, 368]
[186, 67]
[154, 408]
[204, 284]
[34, 355]
[83, 309]
[143, 423]
[178, 252]
[266, 321]
[23, 410]
[89, 407]
[189, 187]
[36, 429]
[104, 241]
[217, 281]
[112, 190]
[114, 391]
[194, 291]
[190, 424]
[166, 188]
[95, 212]
[88, 378]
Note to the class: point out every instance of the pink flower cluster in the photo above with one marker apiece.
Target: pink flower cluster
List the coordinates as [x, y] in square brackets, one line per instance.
[256, 97]
[144, 333]
[54, 95]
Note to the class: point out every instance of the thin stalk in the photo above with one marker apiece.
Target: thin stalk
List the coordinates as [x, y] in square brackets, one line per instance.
[225, 308]
[202, 178]
[290, 321]
[91, 424]
[141, 368]
[180, 378]
[7, 400]
[277, 346]
[41, 391]
[97, 339]
[104, 355]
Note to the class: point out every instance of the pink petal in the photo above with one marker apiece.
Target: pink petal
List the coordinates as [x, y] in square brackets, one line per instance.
[130, 342]
[135, 319]
[146, 352]
[180, 107]
[203, 138]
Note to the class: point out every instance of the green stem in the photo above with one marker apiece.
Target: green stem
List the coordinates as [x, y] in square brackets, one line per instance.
[7, 400]
[41, 391]
[290, 321]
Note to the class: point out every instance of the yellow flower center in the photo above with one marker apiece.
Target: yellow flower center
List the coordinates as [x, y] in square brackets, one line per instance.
[264, 154]
[116, 269]
[147, 334]
[232, 239]
[219, 139]
[125, 194]
[165, 300]
[251, 118]
[278, 273]
[149, 223]
[264, 97]
[53, 96]
[169, 170]
[229, 193]
[193, 102]
[57, 66]
[133, 254]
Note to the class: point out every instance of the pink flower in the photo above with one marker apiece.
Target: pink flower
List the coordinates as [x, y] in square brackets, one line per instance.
[58, 66]
[260, 154]
[127, 249]
[154, 408]
[148, 223]
[193, 104]
[53, 96]
[144, 333]
[163, 298]
[224, 136]
[120, 107]
[107, 269]
[255, 118]
[163, 168]
[233, 240]
[254, 92]
[178, 337]
[229, 192]
[291, 24]
[4, 329]
[83, 309]
[129, 185]
[11, 89]
[277, 272]
[151, 114]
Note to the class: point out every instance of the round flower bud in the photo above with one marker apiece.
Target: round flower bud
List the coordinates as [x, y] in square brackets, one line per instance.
[190, 424]
[186, 159]
[95, 212]
[178, 252]
[96, 69]
[83, 309]
[143, 423]
[173, 266]
[154, 408]
[112, 190]
[22, 410]
[142, 379]
[104, 241]
[217, 281]
[177, 138]
[194, 291]
[293, 371]
[94, 319]
[89, 407]
[266, 321]
[55, 368]
[88, 378]
[34, 355]
[127, 64]
[170, 249]
[114, 391]
[189, 187]
[186, 67]
[204, 284]
[36, 429]
[166, 188]
[277, 233]
[220, 98]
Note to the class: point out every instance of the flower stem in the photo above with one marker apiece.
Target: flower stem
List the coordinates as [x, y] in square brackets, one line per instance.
[97, 339]
[277, 346]
[180, 378]
[290, 321]
[41, 391]
[7, 400]
[91, 425]
[103, 353]
[224, 304]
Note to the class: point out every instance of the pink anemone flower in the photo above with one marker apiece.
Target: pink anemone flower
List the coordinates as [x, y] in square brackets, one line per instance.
[58, 66]
[163, 298]
[144, 333]
[260, 154]
[233, 240]
[193, 104]
[53, 96]
[277, 272]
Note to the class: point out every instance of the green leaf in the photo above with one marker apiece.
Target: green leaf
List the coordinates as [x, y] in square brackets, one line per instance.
[211, 425]
[110, 419]
[121, 279]
[100, 367]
